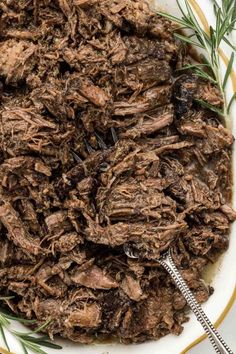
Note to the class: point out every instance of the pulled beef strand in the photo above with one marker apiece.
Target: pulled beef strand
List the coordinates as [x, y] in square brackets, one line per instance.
[102, 142]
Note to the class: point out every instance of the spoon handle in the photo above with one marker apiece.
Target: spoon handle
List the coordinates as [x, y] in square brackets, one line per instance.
[216, 340]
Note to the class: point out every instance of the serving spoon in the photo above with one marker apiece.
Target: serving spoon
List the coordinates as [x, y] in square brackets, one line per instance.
[168, 264]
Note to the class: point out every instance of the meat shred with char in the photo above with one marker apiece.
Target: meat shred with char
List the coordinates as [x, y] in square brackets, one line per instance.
[103, 142]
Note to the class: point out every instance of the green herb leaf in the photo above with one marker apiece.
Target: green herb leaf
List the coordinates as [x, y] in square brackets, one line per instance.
[15, 318]
[199, 72]
[188, 40]
[24, 349]
[42, 341]
[2, 333]
[4, 321]
[205, 76]
[210, 107]
[231, 102]
[174, 19]
[43, 326]
[228, 71]
[229, 43]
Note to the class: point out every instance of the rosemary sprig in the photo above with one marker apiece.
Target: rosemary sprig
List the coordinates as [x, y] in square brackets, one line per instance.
[209, 40]
[29, 341]
[228, 10]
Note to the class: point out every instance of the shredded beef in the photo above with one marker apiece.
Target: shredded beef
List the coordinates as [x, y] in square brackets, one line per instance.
[103, 142]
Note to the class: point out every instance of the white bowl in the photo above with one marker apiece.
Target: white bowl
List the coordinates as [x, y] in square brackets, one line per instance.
[224, 279]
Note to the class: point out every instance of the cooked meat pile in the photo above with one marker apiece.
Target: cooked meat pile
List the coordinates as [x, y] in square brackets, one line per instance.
[103, 142]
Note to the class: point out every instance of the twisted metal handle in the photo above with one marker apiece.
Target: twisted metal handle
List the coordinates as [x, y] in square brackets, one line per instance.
[215, 338]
